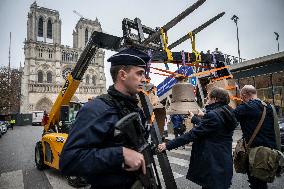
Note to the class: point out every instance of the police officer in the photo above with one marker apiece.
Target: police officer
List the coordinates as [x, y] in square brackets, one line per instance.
[249, 114]
[90, 150]
[12, 123]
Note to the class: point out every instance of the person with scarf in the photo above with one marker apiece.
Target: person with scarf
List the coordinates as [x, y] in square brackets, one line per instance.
[91, 150]
[211, 163]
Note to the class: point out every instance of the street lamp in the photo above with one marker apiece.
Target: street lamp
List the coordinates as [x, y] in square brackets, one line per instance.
[277, 37]
[235, 19]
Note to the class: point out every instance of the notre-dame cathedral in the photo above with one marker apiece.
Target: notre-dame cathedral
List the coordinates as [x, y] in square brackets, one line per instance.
[47, 61]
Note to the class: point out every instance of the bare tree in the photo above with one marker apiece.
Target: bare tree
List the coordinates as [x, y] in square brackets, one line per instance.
[10, 90]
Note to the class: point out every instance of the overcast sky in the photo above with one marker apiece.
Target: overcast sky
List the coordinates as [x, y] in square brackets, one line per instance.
[258, 20]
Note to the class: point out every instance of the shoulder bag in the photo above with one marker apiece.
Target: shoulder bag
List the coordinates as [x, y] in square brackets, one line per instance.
[241, 152]
[263, 161]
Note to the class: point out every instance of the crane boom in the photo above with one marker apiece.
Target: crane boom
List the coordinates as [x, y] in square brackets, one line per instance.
[80, 15]
[96, 41]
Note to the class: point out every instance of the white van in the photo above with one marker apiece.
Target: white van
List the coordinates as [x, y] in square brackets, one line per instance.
[37, 117]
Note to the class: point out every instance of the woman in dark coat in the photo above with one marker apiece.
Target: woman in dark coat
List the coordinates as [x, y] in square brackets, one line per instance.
[211, 163]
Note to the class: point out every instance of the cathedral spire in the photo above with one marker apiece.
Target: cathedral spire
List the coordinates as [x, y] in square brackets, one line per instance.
[34, 4]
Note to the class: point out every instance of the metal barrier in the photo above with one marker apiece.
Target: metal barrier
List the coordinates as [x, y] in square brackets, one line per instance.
[23, 119]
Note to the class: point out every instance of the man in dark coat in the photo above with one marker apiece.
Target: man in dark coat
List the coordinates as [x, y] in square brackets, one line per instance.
[90, 150]
[211, 164]
[249, 114]
[178, 126]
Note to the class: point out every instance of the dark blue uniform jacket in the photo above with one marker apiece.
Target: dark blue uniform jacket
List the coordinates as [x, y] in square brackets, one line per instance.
[249, 114]
[211, 162]
[90, 150]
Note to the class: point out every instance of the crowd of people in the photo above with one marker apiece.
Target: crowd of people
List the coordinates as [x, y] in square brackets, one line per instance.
[91, 150]
[211, 162]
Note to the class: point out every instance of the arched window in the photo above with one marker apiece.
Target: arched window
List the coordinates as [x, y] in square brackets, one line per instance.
[87, 79]
[40, 27]
[63, 55]
[86, 36]
[40, 77]
[49, 77]
[76, 56]
[94, 80]
[49, 29]
[40, 50]
[67, 56]
[49, 53]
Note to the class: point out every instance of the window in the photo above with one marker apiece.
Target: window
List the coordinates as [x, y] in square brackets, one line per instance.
[86, 36]
[63, 56]
[73, 56]
[40, 27]
[49, 29]
[40, 77]
[49, 54]
[76, 56]
[40, 50]
[67, 57]
[49, 77]
[94, 80]
[87, 79]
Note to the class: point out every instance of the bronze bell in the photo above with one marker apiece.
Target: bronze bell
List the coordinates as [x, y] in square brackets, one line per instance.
[183, 99]
[227, 84]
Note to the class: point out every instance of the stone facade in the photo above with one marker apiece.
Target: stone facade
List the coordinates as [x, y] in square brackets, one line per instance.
[47, 61]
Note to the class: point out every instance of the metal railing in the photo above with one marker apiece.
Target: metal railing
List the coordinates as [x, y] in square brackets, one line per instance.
[230, 59]
[51, 88]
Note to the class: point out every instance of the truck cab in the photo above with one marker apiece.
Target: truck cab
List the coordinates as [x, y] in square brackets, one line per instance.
[67, 116]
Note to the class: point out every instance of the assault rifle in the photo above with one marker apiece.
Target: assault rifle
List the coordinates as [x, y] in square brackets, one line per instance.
[130, 132]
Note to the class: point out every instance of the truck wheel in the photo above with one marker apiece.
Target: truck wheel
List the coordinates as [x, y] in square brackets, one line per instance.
[39, 157]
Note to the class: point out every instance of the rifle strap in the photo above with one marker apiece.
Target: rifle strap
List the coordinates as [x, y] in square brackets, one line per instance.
[258, 125]
[109, 100]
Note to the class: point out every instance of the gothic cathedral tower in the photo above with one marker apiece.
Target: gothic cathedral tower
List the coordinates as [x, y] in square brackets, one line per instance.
[47, 61]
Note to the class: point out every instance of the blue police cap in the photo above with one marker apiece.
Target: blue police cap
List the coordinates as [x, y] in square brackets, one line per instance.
[129, 56]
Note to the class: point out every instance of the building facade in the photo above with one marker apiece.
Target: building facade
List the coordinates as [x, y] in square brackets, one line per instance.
[48, 62]
[266, 74]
